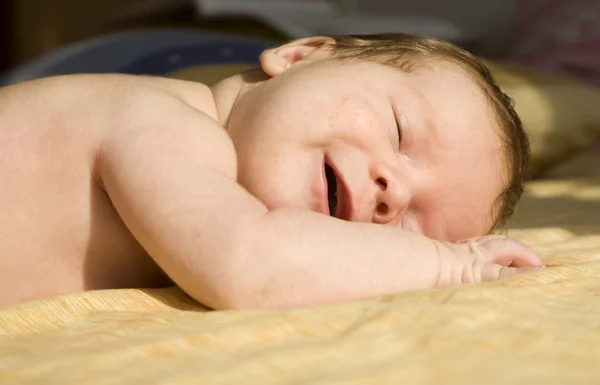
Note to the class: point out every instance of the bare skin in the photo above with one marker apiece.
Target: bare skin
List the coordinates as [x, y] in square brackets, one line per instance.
[112, 181]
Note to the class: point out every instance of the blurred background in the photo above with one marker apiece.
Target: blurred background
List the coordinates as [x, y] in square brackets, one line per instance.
[40, 36]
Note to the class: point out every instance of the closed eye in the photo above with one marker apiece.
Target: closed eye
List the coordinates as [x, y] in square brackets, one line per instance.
[399, 129]
[398, 122]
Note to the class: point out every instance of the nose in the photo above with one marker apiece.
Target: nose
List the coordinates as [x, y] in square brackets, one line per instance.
[392, 197]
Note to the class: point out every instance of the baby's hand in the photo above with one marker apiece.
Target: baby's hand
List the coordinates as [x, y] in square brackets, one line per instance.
[484, 259]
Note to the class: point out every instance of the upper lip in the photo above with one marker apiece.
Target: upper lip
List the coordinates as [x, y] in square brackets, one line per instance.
[344, 209]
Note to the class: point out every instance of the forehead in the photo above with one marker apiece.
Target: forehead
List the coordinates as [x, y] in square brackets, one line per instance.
[455, 105]
[462, 151]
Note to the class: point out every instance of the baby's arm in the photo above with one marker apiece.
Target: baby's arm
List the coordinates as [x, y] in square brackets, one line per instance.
[170, 172]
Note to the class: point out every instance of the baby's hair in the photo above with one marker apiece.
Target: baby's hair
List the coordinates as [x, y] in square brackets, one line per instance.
[407, 52]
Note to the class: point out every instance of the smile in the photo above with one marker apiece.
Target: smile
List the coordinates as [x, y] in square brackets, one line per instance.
[337, 195]
[331, 189]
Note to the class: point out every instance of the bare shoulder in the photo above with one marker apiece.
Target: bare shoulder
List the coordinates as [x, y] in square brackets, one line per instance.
[104, 108]
[174, 115]
[99, 90]
[57, 136]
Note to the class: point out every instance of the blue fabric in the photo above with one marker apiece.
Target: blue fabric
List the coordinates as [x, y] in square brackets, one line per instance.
[169, 60]
[149, 52]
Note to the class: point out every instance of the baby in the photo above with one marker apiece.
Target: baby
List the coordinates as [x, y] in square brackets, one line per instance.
[343, 168]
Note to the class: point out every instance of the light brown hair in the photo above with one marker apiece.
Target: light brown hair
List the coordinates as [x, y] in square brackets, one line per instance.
[406, 52]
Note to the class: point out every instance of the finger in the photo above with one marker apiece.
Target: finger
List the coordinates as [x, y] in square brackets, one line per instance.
[471, 245]
[494, 272]
[509, 252]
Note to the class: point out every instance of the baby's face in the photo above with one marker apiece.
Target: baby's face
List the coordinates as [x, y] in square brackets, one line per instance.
[417, 151]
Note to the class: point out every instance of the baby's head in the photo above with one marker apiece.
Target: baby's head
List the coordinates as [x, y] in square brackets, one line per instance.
[407, 131]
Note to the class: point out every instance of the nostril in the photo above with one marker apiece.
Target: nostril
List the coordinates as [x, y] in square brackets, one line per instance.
[383, 209]
[382, 183]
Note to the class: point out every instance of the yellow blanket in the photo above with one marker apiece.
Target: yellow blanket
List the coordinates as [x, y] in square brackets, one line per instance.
[543, 328]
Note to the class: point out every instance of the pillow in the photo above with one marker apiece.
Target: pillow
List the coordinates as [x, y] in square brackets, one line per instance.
[585, 165]
[560, 114]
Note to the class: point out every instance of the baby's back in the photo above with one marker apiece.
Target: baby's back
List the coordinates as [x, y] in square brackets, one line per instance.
[59, 232]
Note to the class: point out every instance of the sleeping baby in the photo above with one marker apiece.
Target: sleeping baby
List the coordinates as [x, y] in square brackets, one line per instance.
[342, 168]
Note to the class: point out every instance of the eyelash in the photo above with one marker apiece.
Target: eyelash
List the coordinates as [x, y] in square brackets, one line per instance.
[399, 129]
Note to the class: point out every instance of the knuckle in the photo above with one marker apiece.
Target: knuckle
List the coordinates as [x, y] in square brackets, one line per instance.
[468, 274]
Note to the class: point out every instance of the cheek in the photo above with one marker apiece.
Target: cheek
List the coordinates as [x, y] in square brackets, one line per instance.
[360, 123]
[281, 176]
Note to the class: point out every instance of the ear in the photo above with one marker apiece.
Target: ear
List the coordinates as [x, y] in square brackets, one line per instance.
[276, 60]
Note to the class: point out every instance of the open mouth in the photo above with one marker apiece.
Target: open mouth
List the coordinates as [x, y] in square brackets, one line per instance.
[332, 187]
[338, 195]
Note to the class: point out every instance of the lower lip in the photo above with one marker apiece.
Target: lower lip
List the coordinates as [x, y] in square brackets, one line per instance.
[340, 210]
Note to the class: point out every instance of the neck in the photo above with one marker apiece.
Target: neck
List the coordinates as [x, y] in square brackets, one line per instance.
[226, 92]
